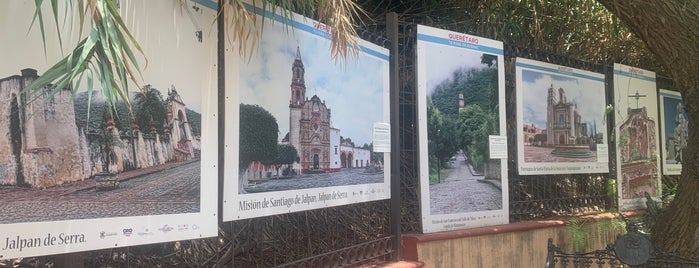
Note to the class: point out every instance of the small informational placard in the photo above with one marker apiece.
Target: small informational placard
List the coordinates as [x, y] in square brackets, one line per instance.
[602, 153]
[382, 137]
[497, 146]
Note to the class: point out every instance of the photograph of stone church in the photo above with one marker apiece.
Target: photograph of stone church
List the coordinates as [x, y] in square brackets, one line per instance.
[637, 151]
[60, 166]
[638, 137]
[569, 126]
[323, 114]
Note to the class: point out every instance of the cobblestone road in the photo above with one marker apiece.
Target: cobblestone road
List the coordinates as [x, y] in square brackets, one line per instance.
[305, 181]
[169, 189]
[462, 192]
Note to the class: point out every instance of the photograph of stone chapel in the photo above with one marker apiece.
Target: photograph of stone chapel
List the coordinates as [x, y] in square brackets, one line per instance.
[306, 121]
[638, 138]
[60, 166]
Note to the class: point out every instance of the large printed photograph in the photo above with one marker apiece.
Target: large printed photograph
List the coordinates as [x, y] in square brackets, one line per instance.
[66, 158]
[674, 129]
[638, 153]
[460, 81]
[561, 119]
[306, 122]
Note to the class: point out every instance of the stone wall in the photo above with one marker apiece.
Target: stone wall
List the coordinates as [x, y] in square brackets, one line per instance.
[41, 145]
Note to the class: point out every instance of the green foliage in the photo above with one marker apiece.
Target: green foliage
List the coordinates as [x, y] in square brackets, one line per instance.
[437, 178]
[441, 131]
[150, 104]
[474, 127]
[106, 54]
[258, 135]
[479, 87]
[286, 155]
[97, 107]
[194, 119]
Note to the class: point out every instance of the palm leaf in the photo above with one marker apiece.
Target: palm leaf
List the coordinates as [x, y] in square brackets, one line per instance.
[107, 53]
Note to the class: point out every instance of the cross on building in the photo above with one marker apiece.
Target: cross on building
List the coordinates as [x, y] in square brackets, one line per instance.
[637, 96]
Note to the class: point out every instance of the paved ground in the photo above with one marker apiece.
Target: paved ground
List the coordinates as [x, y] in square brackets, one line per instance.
[305, 181]
[534, 154]
[165, 189]
[463, 192]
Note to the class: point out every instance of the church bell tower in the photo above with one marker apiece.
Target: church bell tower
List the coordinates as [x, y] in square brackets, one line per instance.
[298, 84]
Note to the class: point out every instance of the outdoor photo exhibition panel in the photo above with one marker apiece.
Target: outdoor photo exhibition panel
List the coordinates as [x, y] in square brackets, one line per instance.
[674, 130]
[461, 107]
[68, 184]
[299, 124]
[638, 146]
[560, 120]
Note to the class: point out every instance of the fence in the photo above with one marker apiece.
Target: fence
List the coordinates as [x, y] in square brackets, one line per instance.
[361, 233]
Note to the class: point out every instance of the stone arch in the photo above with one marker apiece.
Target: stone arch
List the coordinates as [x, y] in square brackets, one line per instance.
[343, 159]
[316, 162]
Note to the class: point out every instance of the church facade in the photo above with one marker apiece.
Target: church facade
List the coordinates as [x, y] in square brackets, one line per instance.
[564, 125]
[311, 132]
[637, 150]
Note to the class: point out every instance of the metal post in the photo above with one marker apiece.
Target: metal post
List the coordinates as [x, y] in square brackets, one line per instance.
[394, 81]
[221, 75]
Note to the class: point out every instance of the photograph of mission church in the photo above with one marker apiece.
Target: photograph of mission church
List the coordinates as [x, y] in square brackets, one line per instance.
[561, 119]
[57, 165]
[305, 120]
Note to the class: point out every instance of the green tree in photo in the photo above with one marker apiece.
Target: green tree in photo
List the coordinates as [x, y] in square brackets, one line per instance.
[441, 131]
[258, 135]
[286, 155]
[150, 104]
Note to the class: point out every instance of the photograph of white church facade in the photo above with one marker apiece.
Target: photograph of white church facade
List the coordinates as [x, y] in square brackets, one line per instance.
[319, 146]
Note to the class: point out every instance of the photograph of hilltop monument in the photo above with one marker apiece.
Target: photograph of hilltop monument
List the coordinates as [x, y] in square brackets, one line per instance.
[59, 165]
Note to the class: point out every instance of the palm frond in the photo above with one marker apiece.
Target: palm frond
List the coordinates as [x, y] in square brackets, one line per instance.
[106, 53]
[244, 28]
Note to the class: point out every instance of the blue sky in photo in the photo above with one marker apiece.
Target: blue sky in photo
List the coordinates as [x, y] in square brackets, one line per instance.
[586, 93]
[353, 90]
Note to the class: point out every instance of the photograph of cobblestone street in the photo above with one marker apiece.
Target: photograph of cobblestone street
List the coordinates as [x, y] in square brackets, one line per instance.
[58, 163]
[172, 188]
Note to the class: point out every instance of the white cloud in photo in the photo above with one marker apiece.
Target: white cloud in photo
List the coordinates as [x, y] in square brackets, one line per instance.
[442, 61]
[353, 91]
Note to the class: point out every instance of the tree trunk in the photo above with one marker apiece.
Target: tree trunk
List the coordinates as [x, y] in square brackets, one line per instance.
[670, 29]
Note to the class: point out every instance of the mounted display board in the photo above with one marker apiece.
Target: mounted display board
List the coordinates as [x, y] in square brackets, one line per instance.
[70, 182]
[560, 119]
[674, 130]
[461, 102]
[638, 146]
[299, 124]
